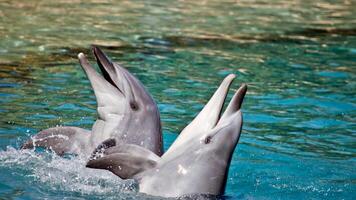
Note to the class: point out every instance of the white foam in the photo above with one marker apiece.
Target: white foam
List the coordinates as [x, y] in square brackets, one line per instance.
[64, 174]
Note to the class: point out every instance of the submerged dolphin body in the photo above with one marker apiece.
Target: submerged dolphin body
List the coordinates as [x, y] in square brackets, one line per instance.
[196, 163]
[126, 113]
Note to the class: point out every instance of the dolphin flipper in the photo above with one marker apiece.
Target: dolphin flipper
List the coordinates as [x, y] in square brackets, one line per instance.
[123, 165]
[61, 140]
[124, 160]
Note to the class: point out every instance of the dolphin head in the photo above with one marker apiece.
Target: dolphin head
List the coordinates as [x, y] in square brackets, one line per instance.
[210, 116]
[126, 111]
[223, 137]
[211, 131]
[201, 154]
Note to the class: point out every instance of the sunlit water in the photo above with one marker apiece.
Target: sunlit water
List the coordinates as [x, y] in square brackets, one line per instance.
[298, 58]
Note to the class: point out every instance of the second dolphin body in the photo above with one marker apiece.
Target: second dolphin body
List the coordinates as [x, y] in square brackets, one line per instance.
[196, 163]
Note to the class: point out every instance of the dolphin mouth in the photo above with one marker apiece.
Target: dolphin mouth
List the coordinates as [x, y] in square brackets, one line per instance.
[112, 74]
[114, 80]
[216, 113]
[240, 95]
[233, 108]
[235, 102]
[106, 66]
[119, 77]
[99, 81]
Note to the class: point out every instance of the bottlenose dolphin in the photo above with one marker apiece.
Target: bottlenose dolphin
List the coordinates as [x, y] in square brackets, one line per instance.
[196, 163]
[126, 113]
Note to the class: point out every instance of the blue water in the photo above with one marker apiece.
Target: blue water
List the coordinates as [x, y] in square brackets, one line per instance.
[298, 58]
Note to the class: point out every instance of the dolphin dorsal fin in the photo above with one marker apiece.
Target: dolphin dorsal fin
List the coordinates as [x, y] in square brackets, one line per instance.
[124, 160]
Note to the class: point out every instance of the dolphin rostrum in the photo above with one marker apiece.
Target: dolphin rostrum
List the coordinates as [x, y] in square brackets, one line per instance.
[126, 113]
[196, 163]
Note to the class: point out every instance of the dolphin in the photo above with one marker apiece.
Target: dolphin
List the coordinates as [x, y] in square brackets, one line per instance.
[196, 163]
[127, 114]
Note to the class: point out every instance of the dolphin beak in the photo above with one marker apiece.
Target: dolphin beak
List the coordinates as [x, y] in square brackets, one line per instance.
[232, 110]
[105, 91]
[97, 81]
[240, 94]
[106, 66]
[236, 102]
[210, 114]
[118, 76]
[114, 73]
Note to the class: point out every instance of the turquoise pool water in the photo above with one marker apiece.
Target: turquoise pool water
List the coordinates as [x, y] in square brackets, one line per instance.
[298, 58]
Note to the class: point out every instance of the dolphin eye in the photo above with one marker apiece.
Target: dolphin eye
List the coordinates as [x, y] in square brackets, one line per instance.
[133, 105]
[207, 140]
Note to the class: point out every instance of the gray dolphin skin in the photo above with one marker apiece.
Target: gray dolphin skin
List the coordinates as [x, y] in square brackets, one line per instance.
[127, 114]
[196, 163]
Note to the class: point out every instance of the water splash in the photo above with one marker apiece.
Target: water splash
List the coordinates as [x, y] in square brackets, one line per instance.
[64, 174]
